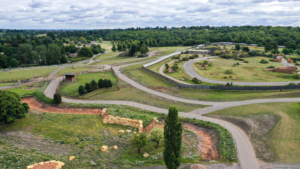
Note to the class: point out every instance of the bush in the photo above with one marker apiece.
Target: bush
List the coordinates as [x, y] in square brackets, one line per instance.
[157, 134]
[228, 71]
[11, 107]
[297, 76]
[81, 90]
[88, 88]
[195, 80]
[105, 83]
[263, 61]
[205, 62]
[57, 98]
[40, 96]
[271, 67]
[109, 83]
[100, 84]
[94, 85]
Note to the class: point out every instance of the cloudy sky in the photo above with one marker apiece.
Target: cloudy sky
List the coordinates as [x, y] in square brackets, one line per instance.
[96, 14]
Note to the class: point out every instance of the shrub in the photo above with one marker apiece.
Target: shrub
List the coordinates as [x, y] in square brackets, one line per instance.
[157, 134]
[195, 80]
[205, 62]
[105, 83]
[88, 88]
[100, 84]
[263, 61]
[109, 83]
[94, 85]
[271, 67]
[228, 71]
[139, 141]
[40, 96]
[237, 63]
[11, 107]
[297, 76]
[81, 90]
[57, 98]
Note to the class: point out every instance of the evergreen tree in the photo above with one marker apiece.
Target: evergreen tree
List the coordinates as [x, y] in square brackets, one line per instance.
[114, 48]
[88, 88]
[81, 90]
[57, 98]
[94, 85]
[100, 84]
[109, 83]
[172, 139]
[105, 83]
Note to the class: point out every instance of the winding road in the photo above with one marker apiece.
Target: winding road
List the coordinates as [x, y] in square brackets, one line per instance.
[246, 154]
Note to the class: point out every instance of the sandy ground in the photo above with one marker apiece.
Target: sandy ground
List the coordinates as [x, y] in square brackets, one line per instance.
[46, 166]
[35, 105]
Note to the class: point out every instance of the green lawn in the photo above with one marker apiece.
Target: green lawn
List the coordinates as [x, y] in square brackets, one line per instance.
[245, 72]
[26, 73]
[41, 35]
[69, 69]
[66, 87]
[6, 84]
[28, 90]
[274, 129]
[107, 55]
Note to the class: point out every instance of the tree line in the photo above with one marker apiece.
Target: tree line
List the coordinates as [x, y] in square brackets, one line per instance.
[89, 87]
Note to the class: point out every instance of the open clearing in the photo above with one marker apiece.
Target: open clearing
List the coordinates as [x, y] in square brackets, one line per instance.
[77, 69]
[28, 90]
[245, 72]
[21, 74]
[273, 128]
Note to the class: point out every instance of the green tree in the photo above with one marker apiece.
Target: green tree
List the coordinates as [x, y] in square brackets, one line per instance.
[105, 83]
[100, 84]
[94, 85]
[133, 49]
[139, 141]
[109, 83]
[259, 44]
[3, 61]
[11, 107]
[114, 49]
[57, 98]
[85, 52]
[172, 139]
[167, 66]
[285, 51]
[157, 134]
[237, 46]
[13, 63]
[88, 88]
[81, 90]
[53, 54]
[63, 59]
[246, 49]
[25, 53]
[298, 52]
[143, 49]
[41, 50]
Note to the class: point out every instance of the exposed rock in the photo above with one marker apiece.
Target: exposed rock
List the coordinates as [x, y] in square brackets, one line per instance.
[115, 147]
[145, 155]
[128, 131]
[71, 158]
[197, 166]
[121, 131]
[104, 148]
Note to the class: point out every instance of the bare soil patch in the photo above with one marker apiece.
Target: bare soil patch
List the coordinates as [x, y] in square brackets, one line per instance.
[46, 166]
[207, 143]
[35, 105]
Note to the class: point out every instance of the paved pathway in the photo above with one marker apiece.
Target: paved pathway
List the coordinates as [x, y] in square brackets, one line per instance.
[191, 72]
[245, 150]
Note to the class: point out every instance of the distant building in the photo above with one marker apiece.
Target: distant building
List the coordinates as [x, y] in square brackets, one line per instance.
[70, 77]
[72, 55]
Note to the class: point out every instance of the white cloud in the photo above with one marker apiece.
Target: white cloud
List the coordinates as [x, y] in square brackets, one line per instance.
[93, 14]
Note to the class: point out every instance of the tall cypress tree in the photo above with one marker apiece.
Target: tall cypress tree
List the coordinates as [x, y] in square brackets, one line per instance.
[172, 139]
[88, 88]
[109, 83]
[94, 85]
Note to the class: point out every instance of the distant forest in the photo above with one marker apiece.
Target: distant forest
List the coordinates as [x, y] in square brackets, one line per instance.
[53, 47]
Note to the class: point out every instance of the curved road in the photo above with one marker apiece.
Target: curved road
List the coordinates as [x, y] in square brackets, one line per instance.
[245, 150]
[191, 72]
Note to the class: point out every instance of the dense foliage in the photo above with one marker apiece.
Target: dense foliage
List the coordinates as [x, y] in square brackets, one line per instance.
[11, 107]
[57, 98]
[139, 141]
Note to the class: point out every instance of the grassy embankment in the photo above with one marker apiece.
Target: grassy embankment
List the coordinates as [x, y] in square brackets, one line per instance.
[245, 72]
[28, 90]
[273, 128]
[26, 74]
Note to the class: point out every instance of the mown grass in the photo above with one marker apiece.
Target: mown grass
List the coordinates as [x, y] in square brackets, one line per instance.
[284, 138]
[25, 91]
[77, 69]
[86, 78]
[245, 72]
[129, 93]
[6, 84]
[21, 74]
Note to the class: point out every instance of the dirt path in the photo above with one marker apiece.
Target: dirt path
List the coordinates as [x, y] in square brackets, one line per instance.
[35, 105]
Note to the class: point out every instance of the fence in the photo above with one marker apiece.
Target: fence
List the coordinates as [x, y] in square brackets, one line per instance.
[184, 86]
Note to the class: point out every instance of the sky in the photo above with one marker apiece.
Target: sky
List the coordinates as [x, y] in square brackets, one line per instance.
[101, 14]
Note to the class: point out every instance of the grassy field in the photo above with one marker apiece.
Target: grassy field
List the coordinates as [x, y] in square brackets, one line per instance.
[245, 72]
[205, 95]
[129, 93]
[6, 84]
[65, 135]
[86, 78]
[69, 69]
[107, 55]
[28, 90]
[26, 73]
[274, 129]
